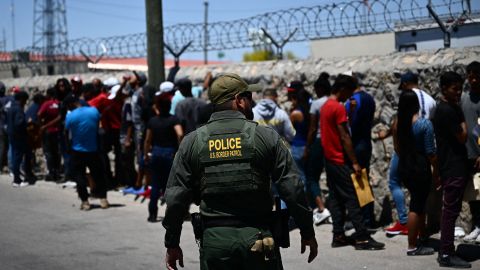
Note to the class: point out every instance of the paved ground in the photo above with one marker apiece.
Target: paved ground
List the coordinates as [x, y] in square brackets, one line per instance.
[42, 228]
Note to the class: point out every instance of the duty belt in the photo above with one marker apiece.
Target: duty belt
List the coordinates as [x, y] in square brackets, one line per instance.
[210, 222]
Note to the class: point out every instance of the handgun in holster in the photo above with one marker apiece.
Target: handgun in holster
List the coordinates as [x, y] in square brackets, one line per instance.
[197, 228]
[279, 227]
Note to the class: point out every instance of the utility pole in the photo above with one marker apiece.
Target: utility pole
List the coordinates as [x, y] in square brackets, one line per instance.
[205, 34]
[155, 57]
[12, 9]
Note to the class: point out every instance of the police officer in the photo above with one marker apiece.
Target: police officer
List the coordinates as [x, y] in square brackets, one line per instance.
[227, 167]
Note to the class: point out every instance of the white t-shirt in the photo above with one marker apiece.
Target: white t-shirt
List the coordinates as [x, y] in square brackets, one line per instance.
[315, 108]
[427, 104]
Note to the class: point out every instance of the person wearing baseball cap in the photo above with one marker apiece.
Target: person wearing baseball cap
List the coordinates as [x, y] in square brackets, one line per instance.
[227, 167]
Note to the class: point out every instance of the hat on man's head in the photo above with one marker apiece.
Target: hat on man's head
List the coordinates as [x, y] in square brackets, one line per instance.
[110, 82]
[76, 79]
[114, 90]
[408, 77]
[142, 78]
[15, 89]
[226, 86]
[166, 87]
[295, 86]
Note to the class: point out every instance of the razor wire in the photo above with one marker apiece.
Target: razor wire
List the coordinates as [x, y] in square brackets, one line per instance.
[315, 22]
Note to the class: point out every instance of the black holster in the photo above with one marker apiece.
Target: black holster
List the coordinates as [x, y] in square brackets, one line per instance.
[197, 228]
[279, 227]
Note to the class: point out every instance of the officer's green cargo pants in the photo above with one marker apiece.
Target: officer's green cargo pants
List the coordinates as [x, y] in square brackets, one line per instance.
[229, 248]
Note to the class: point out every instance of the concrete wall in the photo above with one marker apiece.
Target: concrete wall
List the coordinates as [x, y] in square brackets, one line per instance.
[377, 44]
[30, 69]
[380, 77]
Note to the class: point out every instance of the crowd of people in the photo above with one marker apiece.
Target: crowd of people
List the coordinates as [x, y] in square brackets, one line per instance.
[138, 128]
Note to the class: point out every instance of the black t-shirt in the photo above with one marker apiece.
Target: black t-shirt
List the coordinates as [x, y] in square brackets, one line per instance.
[163, 132]
[452, 155]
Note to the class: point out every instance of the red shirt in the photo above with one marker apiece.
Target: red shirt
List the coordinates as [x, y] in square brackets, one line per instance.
[50, 110]
[332, 115]
[110, 110]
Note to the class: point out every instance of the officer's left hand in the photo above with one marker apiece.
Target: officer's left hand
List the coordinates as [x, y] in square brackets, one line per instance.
[174, 254]
[312, 242]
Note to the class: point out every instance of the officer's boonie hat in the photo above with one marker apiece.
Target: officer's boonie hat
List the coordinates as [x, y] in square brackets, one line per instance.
[225, 87]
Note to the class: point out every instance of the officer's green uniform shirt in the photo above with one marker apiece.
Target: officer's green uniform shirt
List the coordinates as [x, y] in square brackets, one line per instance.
[271, 157]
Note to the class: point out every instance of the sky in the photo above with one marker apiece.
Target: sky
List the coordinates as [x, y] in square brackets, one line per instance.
[104, 18]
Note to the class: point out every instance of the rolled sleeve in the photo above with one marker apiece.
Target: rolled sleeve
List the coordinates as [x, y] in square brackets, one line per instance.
[286, 176]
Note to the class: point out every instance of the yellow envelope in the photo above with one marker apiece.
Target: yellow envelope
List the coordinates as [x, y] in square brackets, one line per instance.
[362, 188]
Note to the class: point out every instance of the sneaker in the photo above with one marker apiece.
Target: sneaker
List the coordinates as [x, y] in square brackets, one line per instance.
[104, 203]
[424, 241]
[21, 184]
[473, 236]
[127, 190]
[421, 251]
[369, 244]
[341, 240]
[152, 218]
[68, 184]
[477, 241]
[459, 232]
[138, 191]
[348, 226]
[396, 229]
[24, 184]
[85, 206]
[452, 261]
[146, 193]
[319, 217]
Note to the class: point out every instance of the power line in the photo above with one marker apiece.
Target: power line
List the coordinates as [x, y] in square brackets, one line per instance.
[108, 15]
[111, 4]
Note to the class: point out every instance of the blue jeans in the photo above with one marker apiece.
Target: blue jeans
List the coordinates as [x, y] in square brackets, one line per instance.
[67, 164]
[160, 165]
[313, 170]
[3, 148]
[10, 156]
[396, 190]
[18, 150]
[297, 153]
